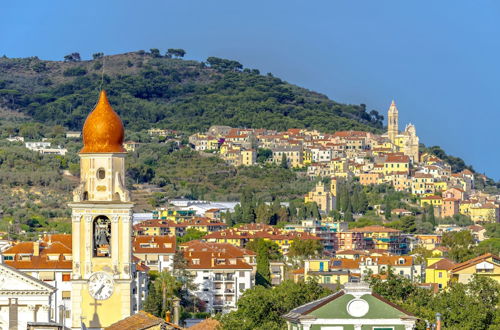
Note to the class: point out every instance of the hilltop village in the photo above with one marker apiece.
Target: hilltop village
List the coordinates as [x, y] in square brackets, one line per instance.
[392, 158]
[187, 264]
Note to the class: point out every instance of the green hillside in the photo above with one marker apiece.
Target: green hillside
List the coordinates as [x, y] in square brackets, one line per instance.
[173, 93]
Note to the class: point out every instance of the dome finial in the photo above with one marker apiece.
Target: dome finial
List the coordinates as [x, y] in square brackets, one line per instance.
[103, 130]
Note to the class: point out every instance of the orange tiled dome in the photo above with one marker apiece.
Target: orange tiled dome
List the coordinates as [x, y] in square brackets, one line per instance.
[103, 129]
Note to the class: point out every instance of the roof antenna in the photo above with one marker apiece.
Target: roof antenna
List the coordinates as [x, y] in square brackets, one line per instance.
[102, 73]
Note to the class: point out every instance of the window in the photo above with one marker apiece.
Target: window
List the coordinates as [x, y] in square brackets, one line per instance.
[440, 274]
[102, 236]
[8, 257]
[241, 286]
[66, 277]
[46, 276]
[66, 295]
[242, 273]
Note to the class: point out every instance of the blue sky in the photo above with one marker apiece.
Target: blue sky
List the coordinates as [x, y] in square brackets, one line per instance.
[438, 59]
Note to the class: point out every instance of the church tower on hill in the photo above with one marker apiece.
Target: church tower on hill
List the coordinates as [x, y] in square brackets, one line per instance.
[407, 141]
[102, 225]
[392, 122]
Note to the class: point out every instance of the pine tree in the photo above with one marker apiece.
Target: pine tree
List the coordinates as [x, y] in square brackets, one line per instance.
[355, 202]
[430, 215]
[284, 161]
[348, 216]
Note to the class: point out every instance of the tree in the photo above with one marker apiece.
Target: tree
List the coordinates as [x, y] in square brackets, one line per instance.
[263, 155]
[73, 57]
[262, 308]
[190, 235]
[96, 56]
[166, 284]
[155, 52]
[348, 216]
[266, 251]
[388, 210]
[430, 214]
[459, 244]
[306, 248]
[491, 245]
[177, 52]
[408, 224]
[284, 161]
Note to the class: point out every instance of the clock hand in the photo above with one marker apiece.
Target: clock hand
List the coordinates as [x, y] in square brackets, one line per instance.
[100, 289]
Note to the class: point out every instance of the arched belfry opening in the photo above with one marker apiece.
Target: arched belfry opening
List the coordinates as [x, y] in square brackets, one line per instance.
[102, 236]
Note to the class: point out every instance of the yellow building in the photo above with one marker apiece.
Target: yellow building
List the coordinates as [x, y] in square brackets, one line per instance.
[464, 208]
[335, 271]
[486, 212]
[102, 274]
[422, 184]
[485, 265]
[435, 201]
[441, 185]
[248, 157]
[438, 271]
[307, 157]
[322, 197]
[397, 164]
[428, 241]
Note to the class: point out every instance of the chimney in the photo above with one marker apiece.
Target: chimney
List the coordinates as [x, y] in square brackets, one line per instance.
[438, 321]
[168, 317]
[36, 249]
[177, 308]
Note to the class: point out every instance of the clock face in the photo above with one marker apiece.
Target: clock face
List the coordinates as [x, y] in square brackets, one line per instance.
[101, 286]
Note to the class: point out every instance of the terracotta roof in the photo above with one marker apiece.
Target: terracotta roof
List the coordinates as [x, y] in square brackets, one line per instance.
[207, 324]
[344, 263]
[422, 175]
[213, 260]
[375, 229]
[400, 211]
[432, 197]
[141, 320]
[154, 244]
[24, 257]
[473, 261]
[196, 245]
[299, 271]
[397, 159]
[360, 252]
[475, 228]
[443, 264]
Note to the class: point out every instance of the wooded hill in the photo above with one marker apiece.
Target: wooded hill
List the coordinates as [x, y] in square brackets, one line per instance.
[147, 88]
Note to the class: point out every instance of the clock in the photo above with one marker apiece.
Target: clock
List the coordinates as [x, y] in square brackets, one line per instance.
[101, 286]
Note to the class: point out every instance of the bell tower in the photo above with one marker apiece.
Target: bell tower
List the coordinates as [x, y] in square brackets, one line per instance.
[102, 225]
[392, 122]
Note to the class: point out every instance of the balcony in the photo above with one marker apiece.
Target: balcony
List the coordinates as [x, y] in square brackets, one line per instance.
[218, 303]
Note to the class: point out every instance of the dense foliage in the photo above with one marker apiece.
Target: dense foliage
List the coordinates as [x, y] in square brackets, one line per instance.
[262, 308]
[462, 306]
[147, 88]
[186, 173]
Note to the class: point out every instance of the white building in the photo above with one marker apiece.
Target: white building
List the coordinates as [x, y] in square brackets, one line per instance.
[24, 299]
[35, 146]
[50, 261]
[220, 273]
[400, 265]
